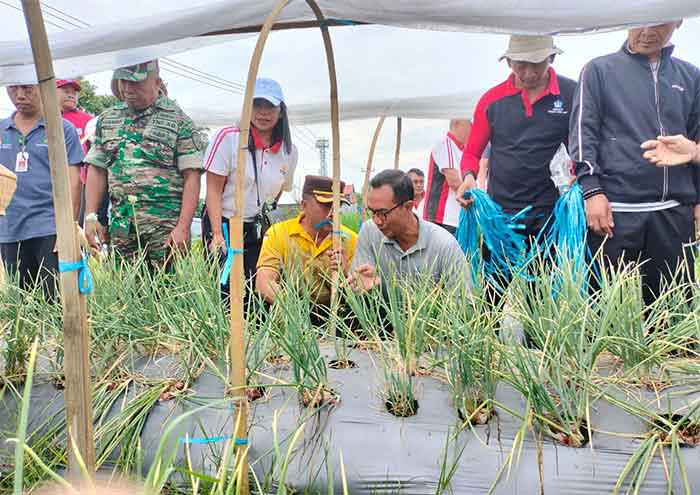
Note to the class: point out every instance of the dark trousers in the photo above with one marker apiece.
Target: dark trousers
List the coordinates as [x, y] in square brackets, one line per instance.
[655, 238]
[534, 223]
[35, 261]
[251, 252]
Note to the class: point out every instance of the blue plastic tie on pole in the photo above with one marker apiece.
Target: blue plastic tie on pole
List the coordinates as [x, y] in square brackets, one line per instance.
[84, 276]
[205, 440]
[221, 438]
[340, 22]
[230, 252]
[239, 442]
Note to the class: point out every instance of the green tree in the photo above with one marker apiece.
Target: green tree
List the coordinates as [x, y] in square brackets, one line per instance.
[91, 102]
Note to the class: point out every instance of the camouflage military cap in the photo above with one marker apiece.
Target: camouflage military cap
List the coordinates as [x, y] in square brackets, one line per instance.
[137, 72]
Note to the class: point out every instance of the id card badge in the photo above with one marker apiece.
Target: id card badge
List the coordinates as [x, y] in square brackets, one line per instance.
[258, 230]
[22, 163]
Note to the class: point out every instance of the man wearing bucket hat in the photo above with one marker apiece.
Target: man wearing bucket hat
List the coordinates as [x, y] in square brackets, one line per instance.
[150, 152]
[305, 245]
[637, 212]
[526, 120]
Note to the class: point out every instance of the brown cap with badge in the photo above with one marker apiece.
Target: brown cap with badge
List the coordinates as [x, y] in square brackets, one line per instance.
[321, 188]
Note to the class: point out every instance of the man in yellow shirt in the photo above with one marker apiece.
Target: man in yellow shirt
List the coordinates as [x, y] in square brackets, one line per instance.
[305, 244]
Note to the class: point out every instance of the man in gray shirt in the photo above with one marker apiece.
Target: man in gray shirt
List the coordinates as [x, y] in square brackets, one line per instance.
[398, 246]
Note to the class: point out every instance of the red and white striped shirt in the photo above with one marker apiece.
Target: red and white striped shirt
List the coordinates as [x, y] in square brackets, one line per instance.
[440, 201]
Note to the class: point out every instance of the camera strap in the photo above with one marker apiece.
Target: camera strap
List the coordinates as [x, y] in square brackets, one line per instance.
[254, 153]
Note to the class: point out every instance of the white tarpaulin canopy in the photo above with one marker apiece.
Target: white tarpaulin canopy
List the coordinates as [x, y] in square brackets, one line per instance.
[457, 105]
[96, 48]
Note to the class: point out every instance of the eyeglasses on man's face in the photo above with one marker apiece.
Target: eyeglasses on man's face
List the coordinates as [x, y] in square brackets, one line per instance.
[382, 213]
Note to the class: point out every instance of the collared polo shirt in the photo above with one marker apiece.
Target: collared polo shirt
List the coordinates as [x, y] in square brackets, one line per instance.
[275, 170]
[524, 138]
[30, 214]
[440, 201]
[79, 119]
[435, 254]
[288, 246]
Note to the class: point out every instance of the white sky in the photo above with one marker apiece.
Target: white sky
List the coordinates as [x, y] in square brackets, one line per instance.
[372, 61]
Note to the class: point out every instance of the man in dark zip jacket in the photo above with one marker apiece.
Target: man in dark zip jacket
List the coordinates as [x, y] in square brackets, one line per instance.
[642, 212]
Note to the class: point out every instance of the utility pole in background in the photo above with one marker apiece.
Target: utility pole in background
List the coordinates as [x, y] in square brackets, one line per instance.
[322, 145]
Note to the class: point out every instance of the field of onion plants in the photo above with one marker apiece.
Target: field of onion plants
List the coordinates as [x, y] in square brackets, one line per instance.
[409, 389]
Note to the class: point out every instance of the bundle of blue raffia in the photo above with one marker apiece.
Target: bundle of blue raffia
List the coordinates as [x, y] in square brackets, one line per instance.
[499, 233]
[565, 236]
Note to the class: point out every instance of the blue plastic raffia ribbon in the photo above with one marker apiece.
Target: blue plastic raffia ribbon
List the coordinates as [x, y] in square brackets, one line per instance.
[230, 252]
[565, 239]
[239, 442]
[84, 276]
[499, 233]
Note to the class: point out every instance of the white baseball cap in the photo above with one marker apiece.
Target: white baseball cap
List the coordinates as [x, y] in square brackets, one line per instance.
[270, 90]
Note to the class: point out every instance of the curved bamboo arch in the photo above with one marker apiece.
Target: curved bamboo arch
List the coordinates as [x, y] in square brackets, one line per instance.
[370, 159]
[370, 156]
[237, 376]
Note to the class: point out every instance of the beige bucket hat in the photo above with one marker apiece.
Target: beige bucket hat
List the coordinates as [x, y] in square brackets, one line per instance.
[534, 49]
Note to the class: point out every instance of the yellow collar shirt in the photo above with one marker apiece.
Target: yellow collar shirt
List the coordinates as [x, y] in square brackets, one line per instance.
[287, 246]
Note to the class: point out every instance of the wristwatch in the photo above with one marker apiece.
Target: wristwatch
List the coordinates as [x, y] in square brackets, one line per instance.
[91, 218]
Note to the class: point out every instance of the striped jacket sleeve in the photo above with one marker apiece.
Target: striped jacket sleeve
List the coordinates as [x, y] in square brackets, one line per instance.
[584, 131]
[221, 152]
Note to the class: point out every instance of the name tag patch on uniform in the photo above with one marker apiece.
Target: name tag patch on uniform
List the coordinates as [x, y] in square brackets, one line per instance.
[165, 123]
[22, 162]
[558, 108]
[111, 122]
[165, 135]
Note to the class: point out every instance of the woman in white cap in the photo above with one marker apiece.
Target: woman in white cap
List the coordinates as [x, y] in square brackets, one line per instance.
[271, 161]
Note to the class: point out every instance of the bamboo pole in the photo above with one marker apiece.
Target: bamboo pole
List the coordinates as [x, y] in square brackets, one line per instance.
[398, 143]
[75, 325]
[236, 281]
[283, 26]
[370, 159]
[335, 133]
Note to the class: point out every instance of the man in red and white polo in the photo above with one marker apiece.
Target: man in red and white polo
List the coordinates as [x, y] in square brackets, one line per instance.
[444, 177]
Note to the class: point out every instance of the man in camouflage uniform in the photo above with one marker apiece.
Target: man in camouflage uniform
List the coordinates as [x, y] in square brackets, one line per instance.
[152, 151]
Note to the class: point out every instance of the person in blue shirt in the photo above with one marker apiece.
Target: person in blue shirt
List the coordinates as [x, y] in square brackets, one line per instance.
[28, 229]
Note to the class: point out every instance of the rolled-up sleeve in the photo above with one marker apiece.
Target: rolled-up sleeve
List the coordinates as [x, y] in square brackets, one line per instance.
[190, 143]
[74, 150]
[97, 155]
